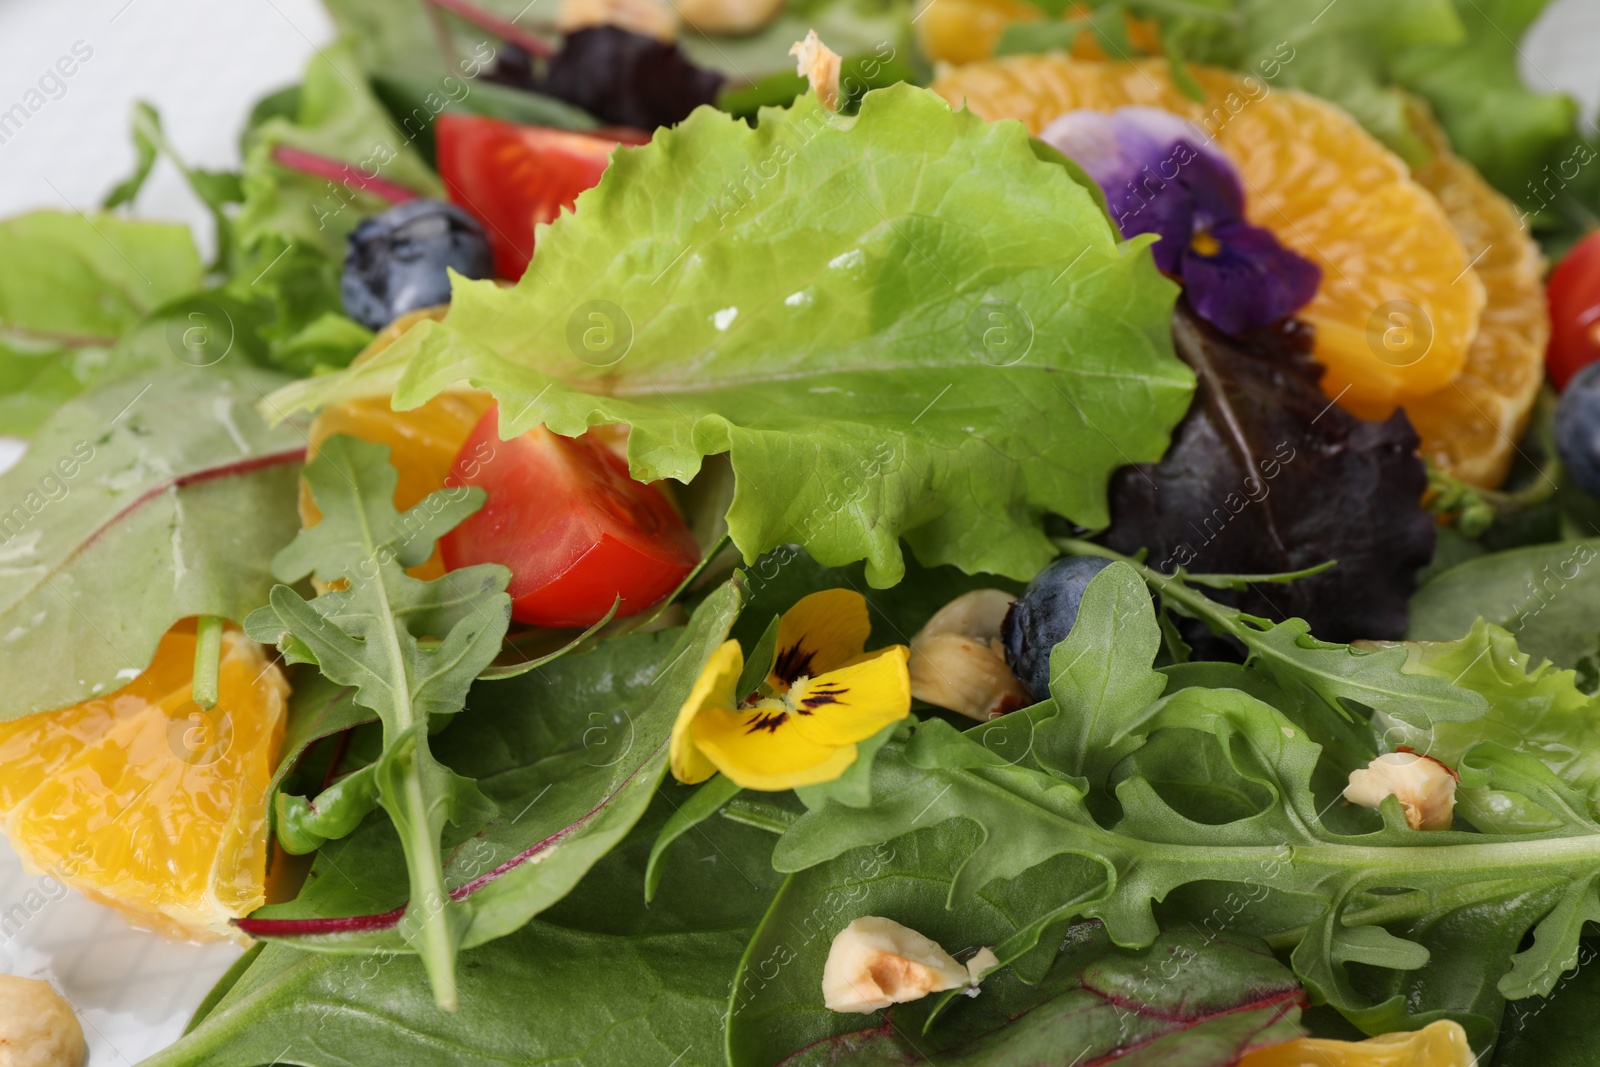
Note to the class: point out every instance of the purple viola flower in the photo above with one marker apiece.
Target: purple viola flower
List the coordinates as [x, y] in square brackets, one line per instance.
[1161, 176]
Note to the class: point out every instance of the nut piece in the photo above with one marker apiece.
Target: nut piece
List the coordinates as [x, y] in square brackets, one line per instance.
[982, 962]
[819, 65]
[728, 17]
[1425, 787]
[875, 962]
[957, 660]
[37, 1027]
[652, 18]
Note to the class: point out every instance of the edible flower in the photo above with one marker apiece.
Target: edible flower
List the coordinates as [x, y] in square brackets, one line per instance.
[1161, 176]
[823, 694]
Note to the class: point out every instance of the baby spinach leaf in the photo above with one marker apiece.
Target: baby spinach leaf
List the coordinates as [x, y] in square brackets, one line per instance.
[1188, 995]
[1547, 596]
[1534, 708]
[1383, 898]
[368, 634]
[837, 357]
[170, 481]
[70, 286]
[597, 980]
[568, 758]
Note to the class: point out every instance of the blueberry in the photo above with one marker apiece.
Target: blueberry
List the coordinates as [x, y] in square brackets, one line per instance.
[1043, 616]
[1578, 429]
[397, 260]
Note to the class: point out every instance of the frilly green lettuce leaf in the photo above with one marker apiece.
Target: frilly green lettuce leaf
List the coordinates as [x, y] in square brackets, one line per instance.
[901, 324]
[1534, 708]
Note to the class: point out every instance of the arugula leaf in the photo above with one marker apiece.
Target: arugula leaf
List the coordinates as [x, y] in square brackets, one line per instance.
[568, 758]
[872, 418]
[214, 188]
[1316, 673]
[172, 481]
[70, 287]
[368, 635]
[1374, 896]
[1534, 708]
[595, 980]
[1548, 596]
[1189, 998]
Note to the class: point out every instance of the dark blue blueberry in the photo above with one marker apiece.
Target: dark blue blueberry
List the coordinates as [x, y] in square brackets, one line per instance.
[1043, 616]
[1578, 429]
[397, 260]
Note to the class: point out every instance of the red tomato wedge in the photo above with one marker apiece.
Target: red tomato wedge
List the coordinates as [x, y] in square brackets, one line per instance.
[1574, 294]
[513, 177]
[575, 529]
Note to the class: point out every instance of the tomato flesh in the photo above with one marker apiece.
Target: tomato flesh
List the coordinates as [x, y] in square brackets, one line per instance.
[575, 529]
[1574, 295]
[513, 177]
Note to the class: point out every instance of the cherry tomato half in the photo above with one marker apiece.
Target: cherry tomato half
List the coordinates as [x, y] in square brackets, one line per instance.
[1574, 294]
[513, 177]
[574, 528]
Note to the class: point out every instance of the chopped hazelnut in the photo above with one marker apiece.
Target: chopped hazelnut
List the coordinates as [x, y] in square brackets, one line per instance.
[730, 17]
[957, 661]
[875, 962]
[819, 65]
[982, 962]
[1425, 788]
[37, 1027]
[652, 18]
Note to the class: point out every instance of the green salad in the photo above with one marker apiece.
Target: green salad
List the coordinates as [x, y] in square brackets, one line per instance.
[984, 532]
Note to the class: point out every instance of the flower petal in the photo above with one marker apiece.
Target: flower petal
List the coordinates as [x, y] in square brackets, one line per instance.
[851, 704]
[1251, 281]
[713, 690]
[767, 757]
[822, 632]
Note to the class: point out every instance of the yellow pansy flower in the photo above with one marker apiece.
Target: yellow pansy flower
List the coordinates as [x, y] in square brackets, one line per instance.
[824, 694]
[1439, 1044]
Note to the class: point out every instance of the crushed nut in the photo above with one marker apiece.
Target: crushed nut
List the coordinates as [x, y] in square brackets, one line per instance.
[957, 661]
[1425, 788]
[728, 17]
[819, 65]
[875, 962]
[982, 962]
[37, 1027]
[652, 18]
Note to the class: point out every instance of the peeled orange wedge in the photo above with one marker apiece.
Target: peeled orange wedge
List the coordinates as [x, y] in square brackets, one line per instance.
[1399, 303]
[422, 442]
[1430, 297]
[1439, 1044]
[1471, 426]
[144, 801]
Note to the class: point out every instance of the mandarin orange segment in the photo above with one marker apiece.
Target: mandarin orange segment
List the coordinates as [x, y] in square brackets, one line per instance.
[422, 442]
[147, 803]
[1470, 427]
[965, 31]
[1439, 1044]
[1399, 303]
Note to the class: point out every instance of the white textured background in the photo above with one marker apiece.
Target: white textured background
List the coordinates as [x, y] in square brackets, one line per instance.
[202, 62]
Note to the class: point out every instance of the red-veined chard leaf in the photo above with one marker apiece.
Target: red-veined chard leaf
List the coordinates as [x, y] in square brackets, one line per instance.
[138, 504]
[597, 979]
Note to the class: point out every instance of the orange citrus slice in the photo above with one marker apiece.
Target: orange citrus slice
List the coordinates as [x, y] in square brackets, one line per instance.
[423, 442]
[1439, 1044]
[144, 801]
[964, 31]
[1399, 304]
[1471, 426]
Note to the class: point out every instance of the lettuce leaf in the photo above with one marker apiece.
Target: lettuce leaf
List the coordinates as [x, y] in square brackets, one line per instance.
[1534, 707]
[909, 323]
[70, 287]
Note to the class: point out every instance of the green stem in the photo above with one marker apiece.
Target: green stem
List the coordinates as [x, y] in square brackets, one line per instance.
[761, 815]
[207, 660]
